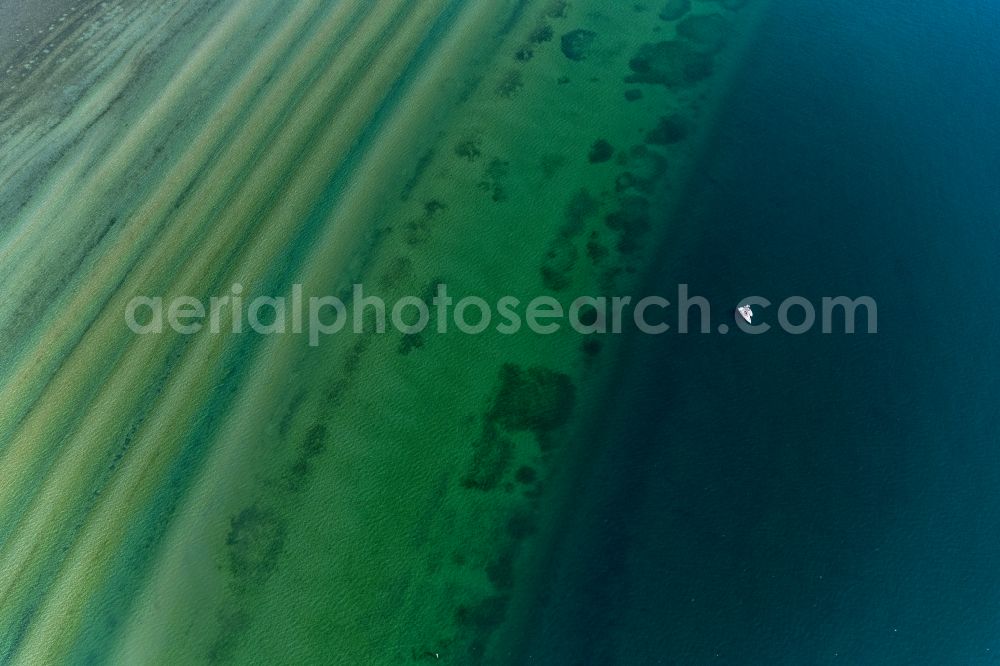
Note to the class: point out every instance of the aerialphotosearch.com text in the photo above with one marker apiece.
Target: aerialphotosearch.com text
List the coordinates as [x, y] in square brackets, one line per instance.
[317, 317]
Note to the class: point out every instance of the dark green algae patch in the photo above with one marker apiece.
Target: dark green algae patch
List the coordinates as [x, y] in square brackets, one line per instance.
[685, 61]
[531, 400]
[602, 228]
[577, 44]
[255, 541]
[673, 63]
[536, 400]
[602, 231]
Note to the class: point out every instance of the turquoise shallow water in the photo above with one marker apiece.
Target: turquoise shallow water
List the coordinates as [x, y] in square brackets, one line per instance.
[174, 499]
[814, 499]
[771, 499]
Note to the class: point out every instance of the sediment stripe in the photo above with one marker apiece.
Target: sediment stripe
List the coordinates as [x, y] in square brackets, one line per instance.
[421, 84]
[78, 192]
[54, 348]
[41, 447]
[102, 64]
[225, 147]
[49, 138]
[160, 266]
[359, 204]
[333, 142]
[154, 449]
[108, 434]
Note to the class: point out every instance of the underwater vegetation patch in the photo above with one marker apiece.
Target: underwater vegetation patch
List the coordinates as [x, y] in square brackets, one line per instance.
[314, 442]
[312, 445]
[493, 179]
[596, 251]
[577, 44]
[396, 272]
[233, 622]
[481, 619]
[521, 525]
[255, 541]
[510, 83]
[418, 172]
[558, 263]
[580, 208]
[591, 347]
[674, 63]
[468, 149]
[418, 231]
[644, 169]
[500, 571]
[410, 342]
[558, 9]
[669, 129]
[535, 399]
[561, 254]
[492, 453]
[541, 34]
[631, 221]
[487, 614]
[600, 151]
[526, 475]
[675, 9]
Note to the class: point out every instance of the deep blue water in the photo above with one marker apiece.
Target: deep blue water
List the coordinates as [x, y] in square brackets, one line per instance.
[781, 499]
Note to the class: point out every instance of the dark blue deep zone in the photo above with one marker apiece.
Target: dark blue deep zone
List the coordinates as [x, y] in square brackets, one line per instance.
[816, 498]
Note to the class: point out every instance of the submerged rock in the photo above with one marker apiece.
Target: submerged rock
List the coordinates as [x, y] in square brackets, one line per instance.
[577, 44]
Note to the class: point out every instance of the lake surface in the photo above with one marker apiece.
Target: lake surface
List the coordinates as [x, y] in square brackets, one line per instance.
[814, 498]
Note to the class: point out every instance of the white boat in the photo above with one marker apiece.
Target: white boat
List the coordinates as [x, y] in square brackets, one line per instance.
[745, 312]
